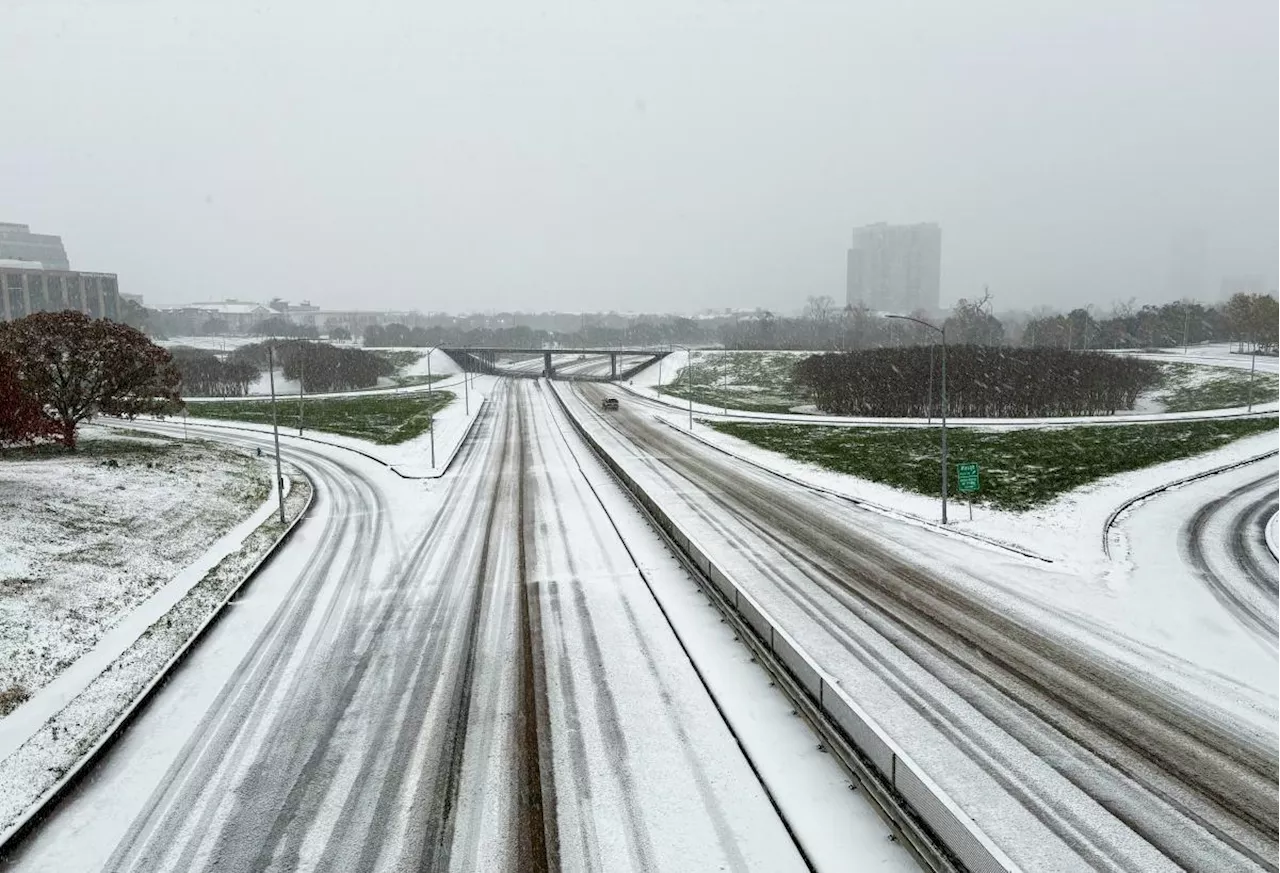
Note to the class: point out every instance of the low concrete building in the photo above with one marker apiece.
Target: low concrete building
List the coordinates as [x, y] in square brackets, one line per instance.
[25, 289]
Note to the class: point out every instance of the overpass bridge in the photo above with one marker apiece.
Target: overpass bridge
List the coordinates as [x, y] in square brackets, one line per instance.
[499, 362]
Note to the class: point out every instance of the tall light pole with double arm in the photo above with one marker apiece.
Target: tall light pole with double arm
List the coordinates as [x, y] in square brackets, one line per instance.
[942, 331]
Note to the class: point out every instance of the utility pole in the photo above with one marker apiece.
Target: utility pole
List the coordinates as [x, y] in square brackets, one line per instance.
[431, 416]
[275, 428]
[1186, 323]
[466, 391]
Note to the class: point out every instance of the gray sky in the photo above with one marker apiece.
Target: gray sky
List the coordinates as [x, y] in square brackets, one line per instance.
[652, 155]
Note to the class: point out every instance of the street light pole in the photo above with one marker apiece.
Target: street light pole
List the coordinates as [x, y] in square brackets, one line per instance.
[275, 428]
[942, 332]
[1253, 362]
[724, 366]
[431, 417]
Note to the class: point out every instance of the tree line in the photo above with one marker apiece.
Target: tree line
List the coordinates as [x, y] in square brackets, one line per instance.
[320, 367]
[642, 333]
[982, 382]
[1249, 320]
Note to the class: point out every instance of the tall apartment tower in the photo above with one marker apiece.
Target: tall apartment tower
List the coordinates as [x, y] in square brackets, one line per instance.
[895, 267]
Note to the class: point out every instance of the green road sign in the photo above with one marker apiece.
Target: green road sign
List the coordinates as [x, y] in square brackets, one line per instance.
[968, 476]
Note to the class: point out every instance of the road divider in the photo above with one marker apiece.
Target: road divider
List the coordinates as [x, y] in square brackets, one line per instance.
[941, 834]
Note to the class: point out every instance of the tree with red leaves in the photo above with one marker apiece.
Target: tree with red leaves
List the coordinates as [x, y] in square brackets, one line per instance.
[77, 367]
[22, 418]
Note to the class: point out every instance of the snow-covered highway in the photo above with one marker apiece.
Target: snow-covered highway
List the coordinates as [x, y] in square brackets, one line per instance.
[1073, 745]
[463, 674]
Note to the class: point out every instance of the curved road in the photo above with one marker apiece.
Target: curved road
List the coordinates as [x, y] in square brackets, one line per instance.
[1226, 543]
[467, 674]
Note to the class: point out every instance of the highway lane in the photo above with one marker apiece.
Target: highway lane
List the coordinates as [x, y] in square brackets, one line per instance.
[460, 675]
[1070, 757]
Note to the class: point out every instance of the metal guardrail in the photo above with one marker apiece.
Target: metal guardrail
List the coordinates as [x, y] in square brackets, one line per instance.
[939, 831]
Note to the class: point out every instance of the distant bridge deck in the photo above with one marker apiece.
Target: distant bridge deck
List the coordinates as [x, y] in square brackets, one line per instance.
[483, 359]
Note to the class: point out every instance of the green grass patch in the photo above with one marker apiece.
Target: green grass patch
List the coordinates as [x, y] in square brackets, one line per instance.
[1194, 387]
[748, 381]
[386, 419]
[1020, 469]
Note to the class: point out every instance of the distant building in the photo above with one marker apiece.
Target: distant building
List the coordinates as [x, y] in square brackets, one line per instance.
[239, 316]
[25, 288]
[18, 243]
[895, 268]
[1233, 285]
[1188, 256]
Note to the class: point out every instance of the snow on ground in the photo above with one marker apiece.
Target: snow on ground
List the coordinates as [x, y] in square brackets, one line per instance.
[86, 542]
[1151, 598]
[645, 385]
[413, 457]
[1068, 530]
[210, 343]
[1213, 354]
[1152, 590]
[59, 726]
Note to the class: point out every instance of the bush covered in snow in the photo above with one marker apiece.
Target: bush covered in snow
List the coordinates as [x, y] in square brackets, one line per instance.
[982, 382]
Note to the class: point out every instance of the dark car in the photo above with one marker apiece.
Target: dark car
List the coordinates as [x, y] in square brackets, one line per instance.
[610, 404]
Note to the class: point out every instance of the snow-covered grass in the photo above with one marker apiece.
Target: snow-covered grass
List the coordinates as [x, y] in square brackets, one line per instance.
[755, 381]
[385, 419]
[1192, 387]
[1020, 469]
[40, 762]
[88, 536]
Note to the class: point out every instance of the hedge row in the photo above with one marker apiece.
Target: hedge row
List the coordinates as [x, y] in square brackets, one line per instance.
[982, 382]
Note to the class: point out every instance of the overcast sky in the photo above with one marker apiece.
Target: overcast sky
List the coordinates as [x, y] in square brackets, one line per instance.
[648, 156]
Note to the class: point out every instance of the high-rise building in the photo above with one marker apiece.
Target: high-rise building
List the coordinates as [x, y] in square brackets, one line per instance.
[895, 268]
[18, 243]
[1188, 256]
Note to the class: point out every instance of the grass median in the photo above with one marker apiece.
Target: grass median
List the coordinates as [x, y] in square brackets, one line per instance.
[1192, 387]
[385, 419]
[1020, 469]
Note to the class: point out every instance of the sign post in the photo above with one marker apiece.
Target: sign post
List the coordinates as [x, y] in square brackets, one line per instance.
[967, 474]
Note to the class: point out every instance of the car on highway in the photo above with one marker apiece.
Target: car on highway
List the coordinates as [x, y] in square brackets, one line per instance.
[610, 404]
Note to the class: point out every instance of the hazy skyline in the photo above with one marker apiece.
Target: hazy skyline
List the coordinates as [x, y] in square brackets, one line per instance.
[642, 157]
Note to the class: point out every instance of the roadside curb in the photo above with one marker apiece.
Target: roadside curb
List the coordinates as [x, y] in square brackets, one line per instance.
[886, 511]
[1152, 492]
[69, 780]
[934, 824]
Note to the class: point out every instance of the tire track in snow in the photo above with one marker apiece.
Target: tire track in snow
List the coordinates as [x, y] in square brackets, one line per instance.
[1255, 609]
[1145, 735]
